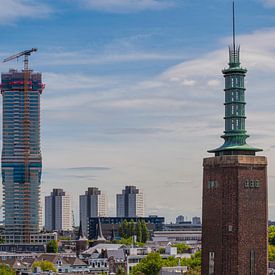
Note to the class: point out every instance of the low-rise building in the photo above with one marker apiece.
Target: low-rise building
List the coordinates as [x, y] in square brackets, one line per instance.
[189, 237]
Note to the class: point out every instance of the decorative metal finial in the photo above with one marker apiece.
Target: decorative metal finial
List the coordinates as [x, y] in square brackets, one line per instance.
[234, 32]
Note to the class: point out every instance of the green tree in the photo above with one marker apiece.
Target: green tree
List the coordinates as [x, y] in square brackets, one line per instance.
[124, 229]
[195, 271]
[271, 235]
[161, 250]
[6, 270]
[271, 252]
[121, 271]
[44, 265]
[52, 246]
[131, 229]
[149, 265]
[145, 232]
[194, 262]
[139, 231]
[182, 247]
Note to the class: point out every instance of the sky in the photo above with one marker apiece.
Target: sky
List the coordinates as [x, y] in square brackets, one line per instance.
[134, 91]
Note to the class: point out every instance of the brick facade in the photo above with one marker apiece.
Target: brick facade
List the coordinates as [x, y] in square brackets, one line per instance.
[234, 237]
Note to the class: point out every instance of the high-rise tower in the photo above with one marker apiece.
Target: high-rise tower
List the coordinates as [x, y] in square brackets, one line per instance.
[234, 235]
[93, 204]
[130, 203]
[21, 156]
[58, 212]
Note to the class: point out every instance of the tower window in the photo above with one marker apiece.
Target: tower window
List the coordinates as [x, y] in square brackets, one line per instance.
[212, 184]
[252, 262]
[211, 263]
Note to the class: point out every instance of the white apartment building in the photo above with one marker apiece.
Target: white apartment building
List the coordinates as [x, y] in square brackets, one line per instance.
[93, 204]
[58, 213]
[130, 203]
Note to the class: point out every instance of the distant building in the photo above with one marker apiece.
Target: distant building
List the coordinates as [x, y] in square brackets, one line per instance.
[93, 204]
[110, 225]
[180, 219]
[58, 214]
[189, 237]
[130, 203]
[196, 220]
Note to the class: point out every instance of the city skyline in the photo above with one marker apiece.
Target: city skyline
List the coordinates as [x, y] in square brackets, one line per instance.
[140, 104]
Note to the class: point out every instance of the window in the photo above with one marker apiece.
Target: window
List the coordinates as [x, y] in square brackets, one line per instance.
[212, 184]
[252, 184]
[252, 262]
[211, 263]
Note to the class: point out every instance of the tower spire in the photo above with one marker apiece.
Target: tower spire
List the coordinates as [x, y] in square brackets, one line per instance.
[235, 134]
[234, 29]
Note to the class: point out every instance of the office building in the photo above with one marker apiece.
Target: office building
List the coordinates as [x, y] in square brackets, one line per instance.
[58, 215]
[234, 222]
[93, 204]
[21, 155]
[130, 203]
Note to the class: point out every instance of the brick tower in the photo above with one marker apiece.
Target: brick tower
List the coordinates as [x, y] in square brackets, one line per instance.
[234, 234]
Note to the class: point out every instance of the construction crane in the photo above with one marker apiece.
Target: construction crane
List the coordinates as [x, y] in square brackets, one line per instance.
[26, 55]
[26, 138]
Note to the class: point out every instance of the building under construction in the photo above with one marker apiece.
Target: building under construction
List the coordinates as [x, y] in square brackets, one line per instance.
[21, 155]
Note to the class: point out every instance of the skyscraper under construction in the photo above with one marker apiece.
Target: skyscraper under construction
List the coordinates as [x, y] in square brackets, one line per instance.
[21, 155]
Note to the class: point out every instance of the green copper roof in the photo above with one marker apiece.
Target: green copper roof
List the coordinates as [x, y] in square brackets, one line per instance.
[235, 133]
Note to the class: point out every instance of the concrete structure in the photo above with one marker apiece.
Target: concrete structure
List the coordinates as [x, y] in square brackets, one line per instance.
[21, 155]
[93, 204]
[43, 238]
[234, 236]
[130, 203]
[58, 214]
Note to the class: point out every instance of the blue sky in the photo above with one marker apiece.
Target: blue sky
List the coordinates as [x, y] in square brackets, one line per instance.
[134, 91]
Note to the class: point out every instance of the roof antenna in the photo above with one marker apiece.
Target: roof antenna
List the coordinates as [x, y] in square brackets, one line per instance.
[234, 32]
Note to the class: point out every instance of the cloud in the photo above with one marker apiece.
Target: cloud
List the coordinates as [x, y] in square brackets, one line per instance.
[12, 10]
[89, 168]
[269, 3]
[125, 6]
[90, 58]
[137, 131]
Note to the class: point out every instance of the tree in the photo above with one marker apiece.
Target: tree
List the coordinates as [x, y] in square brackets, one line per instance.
[124, 229]
[271, 235]
[52, 246]
[271, 253]
[131, 229]
[121, 271]
[195, 271]
[145, 232]
[139, 231]
[194, 262]
[6, 270]
[149, 265]
[44, 265]
[181, 247]
[161, 250]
